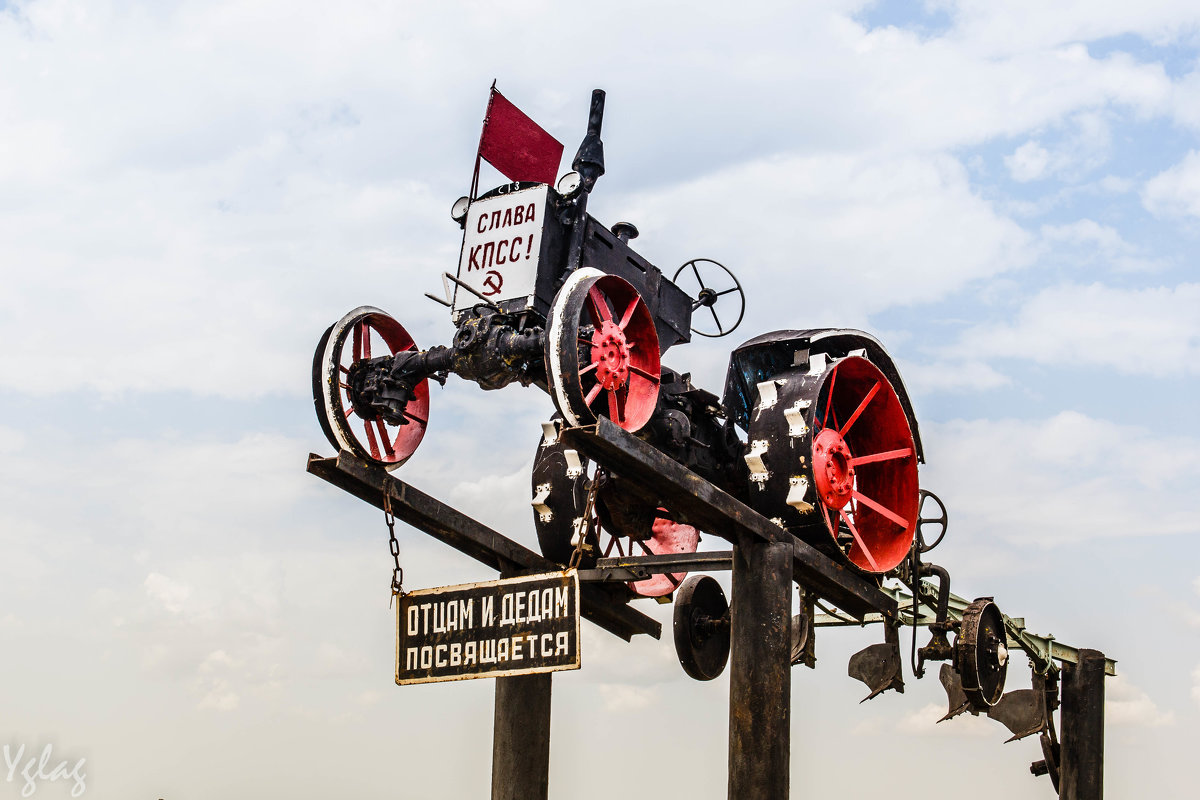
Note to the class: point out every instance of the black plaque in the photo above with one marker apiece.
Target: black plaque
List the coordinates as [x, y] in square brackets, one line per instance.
[515, 626]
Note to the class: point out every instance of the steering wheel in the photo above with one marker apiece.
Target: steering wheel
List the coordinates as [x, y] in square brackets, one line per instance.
[707, 296]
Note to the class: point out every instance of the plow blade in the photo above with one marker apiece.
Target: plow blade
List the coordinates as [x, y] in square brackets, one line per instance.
[878, 666]
[1021, 712]
[955, 695]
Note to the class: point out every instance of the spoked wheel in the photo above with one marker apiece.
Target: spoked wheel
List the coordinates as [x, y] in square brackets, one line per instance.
[602, 351]
[708, 281]
[864, 465]
[615, 527]
[666, 538]
[981, 653]
[832, 459]
[365, 333]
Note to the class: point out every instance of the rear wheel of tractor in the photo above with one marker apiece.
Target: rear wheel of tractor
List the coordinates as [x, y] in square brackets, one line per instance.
[365, 333]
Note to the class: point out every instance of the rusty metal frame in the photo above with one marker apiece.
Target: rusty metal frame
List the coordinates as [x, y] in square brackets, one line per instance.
[765, 561]
[603, 605]
[697, 502]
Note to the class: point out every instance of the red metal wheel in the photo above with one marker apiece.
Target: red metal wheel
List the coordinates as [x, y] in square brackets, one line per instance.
[365, 333]
[602, 351]
[864, 466]
[666, 537]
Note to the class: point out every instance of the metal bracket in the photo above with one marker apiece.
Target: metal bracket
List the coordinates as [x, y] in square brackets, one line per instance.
[636, 568]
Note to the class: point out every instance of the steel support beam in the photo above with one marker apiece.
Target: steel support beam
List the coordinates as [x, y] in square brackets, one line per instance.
[700, 503]
[521, 735]
[1082, 716]
[521, 738]
[760, 676]
[606, 606]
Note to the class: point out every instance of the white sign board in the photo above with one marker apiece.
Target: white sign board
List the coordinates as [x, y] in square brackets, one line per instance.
[502, 240]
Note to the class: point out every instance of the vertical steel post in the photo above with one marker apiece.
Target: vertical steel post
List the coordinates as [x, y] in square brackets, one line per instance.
[521, 738]
[1082, 715]
[760, 680]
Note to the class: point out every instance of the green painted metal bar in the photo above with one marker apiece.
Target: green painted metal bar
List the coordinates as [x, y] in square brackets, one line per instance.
[1043, 649]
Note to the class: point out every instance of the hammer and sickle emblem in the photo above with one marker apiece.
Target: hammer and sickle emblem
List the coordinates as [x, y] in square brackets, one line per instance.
[493, 281]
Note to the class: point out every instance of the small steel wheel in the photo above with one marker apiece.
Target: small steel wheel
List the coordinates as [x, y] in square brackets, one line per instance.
[981, 654]
[718, 282]
[702, 627]
[365, 333]
[602, 352]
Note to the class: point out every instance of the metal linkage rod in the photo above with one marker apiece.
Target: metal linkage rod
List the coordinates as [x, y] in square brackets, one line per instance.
[636, 568]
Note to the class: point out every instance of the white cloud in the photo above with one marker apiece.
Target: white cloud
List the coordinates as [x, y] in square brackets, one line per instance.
[1185, 100]
[1013, 90]
[1085, 232]
[216, 660]
[1087, 242]
[218, 696]
[871, 726]
[1150, 331]
[924, 722]
[1125, 705]
[1027, 24]
[620, 697]
[334, 661]
[1051, 481]
[953, 376]
[12, 441]
[1028, 162]
[169, 594]
[504, 500]
[198, 223]
[1196, 685]
[1113, 184]
[1086, 144]
[639, 664]
[824, 240]
[1175, 191]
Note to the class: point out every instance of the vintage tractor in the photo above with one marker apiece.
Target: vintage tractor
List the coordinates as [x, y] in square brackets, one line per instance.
[815, 429]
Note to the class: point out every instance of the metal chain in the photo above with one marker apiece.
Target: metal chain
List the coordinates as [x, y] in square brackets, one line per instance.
[588, 524]
[397, 570]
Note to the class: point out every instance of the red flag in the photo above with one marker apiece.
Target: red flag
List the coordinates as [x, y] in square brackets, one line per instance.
[516, 145]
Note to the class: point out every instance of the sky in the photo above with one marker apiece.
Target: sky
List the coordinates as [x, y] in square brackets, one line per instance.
[1007, 195]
